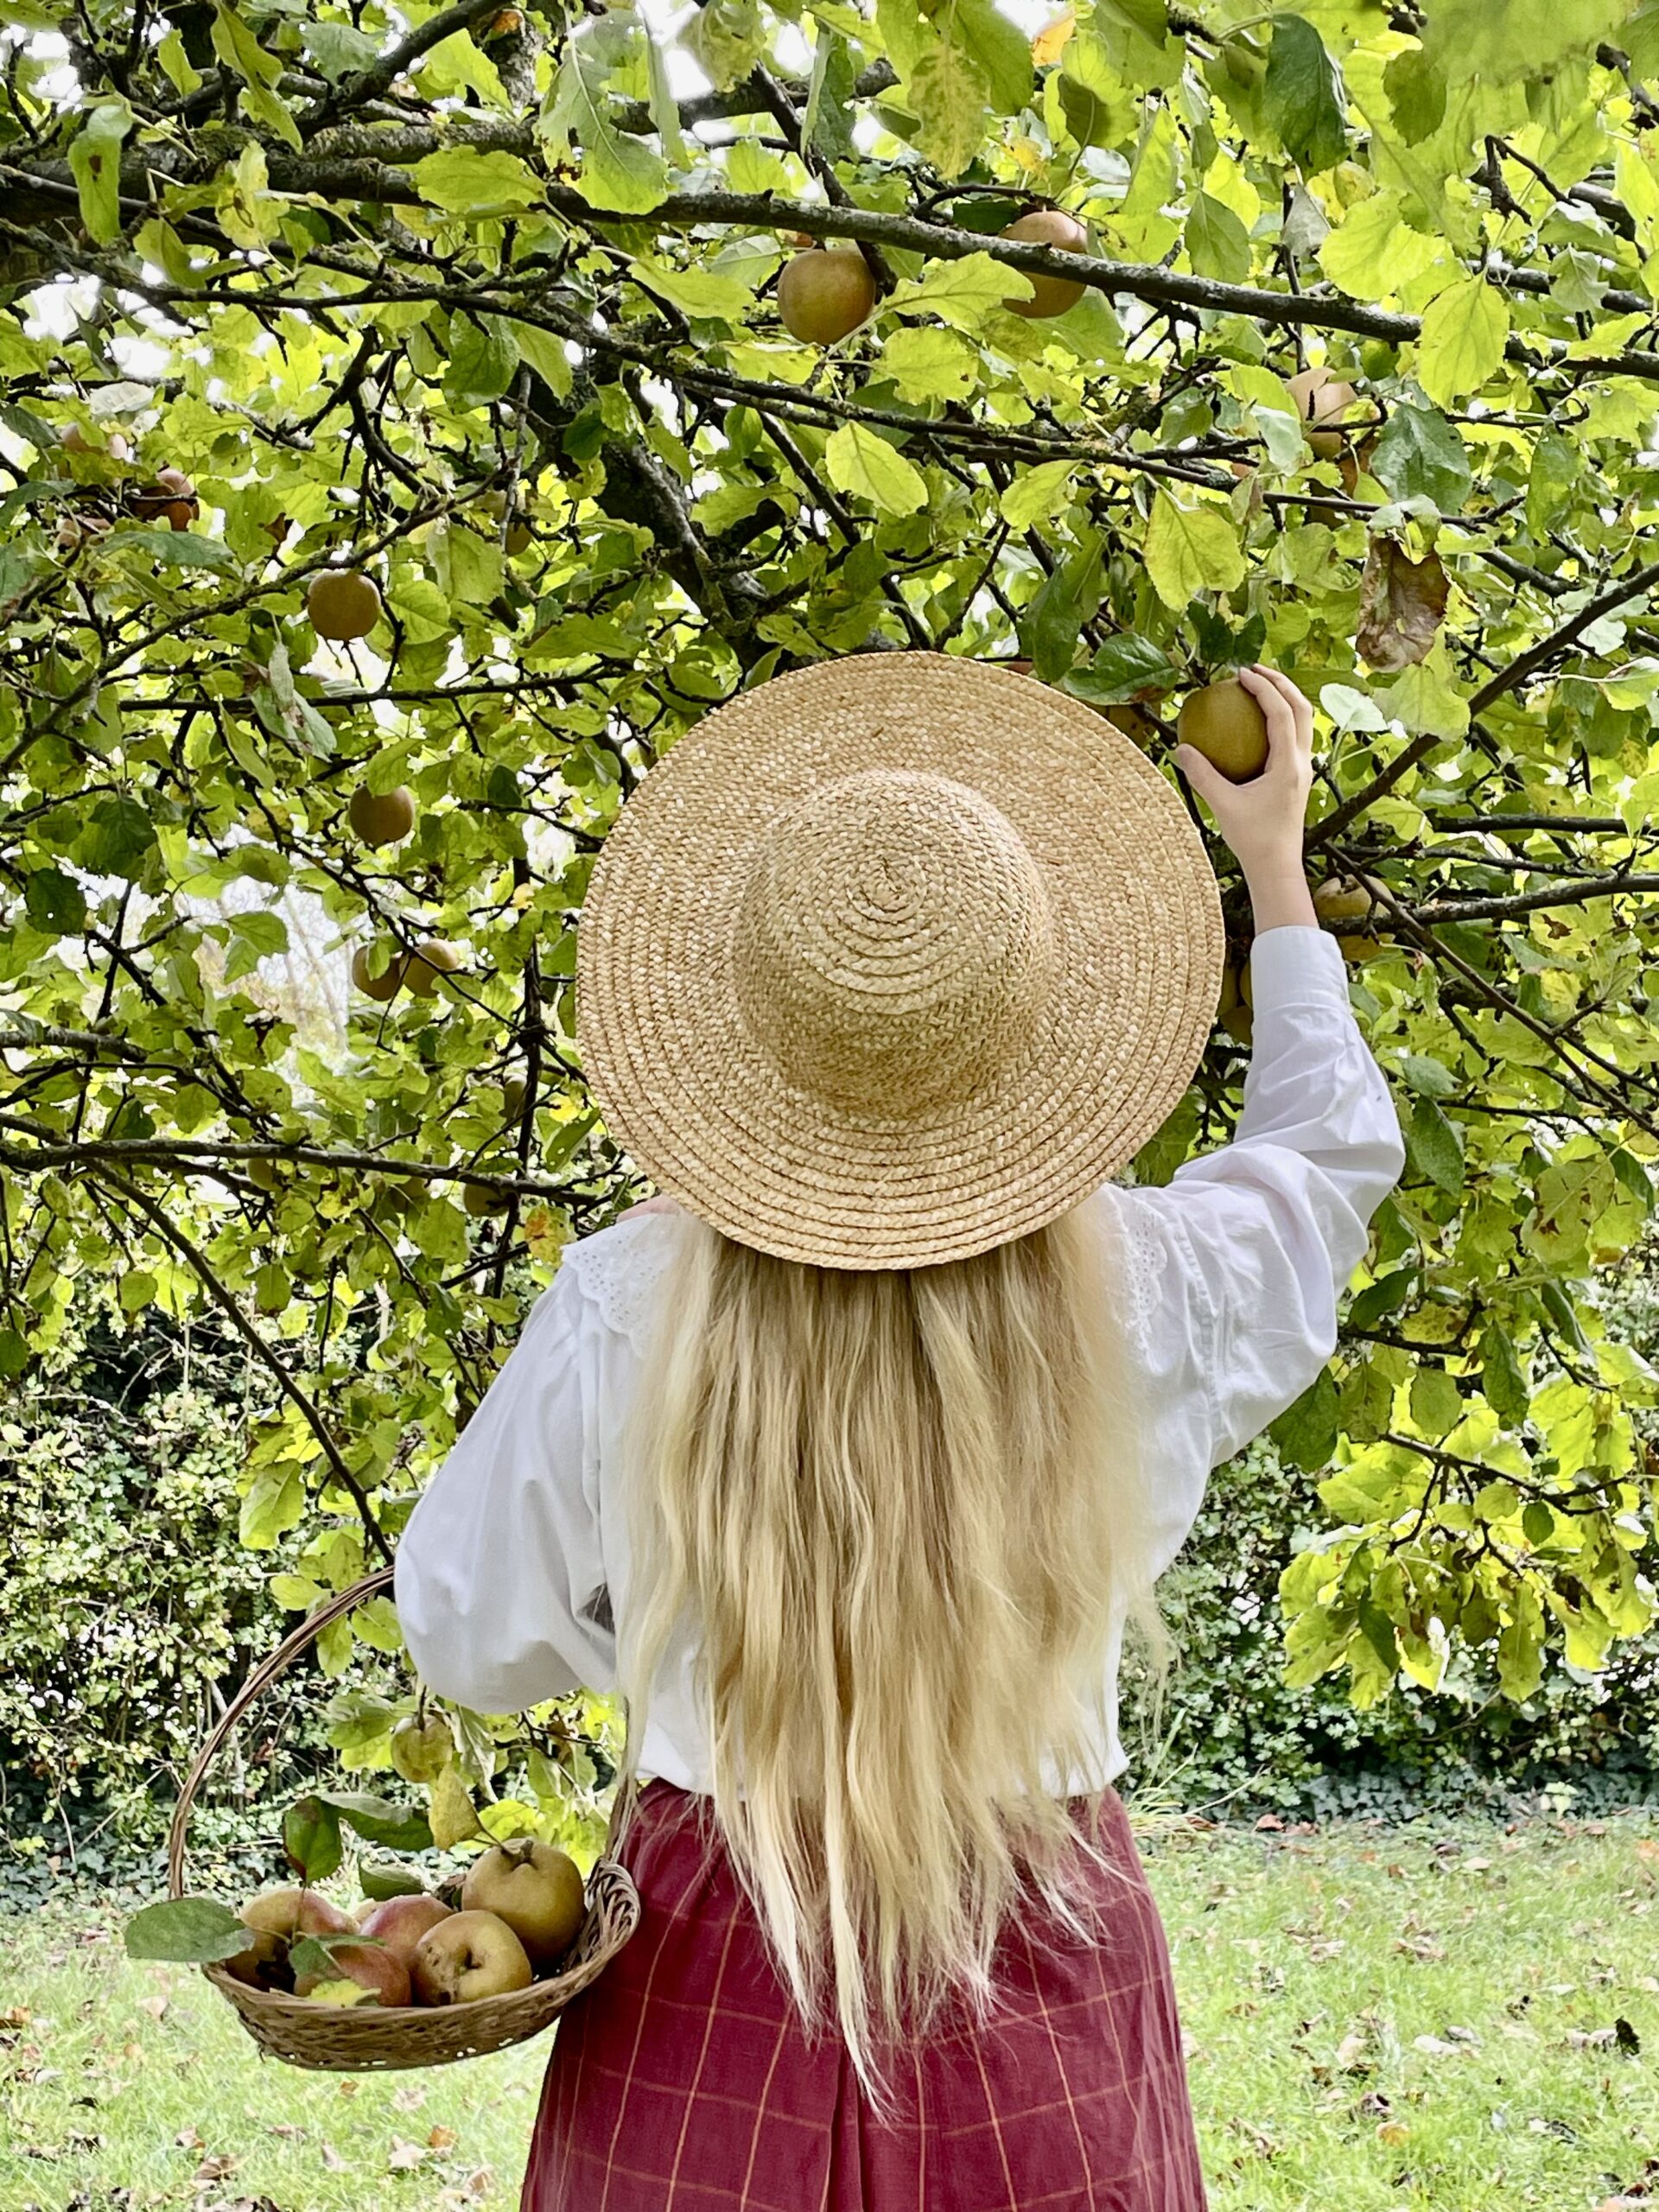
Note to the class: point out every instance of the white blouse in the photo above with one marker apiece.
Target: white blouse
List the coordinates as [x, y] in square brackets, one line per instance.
[512, 1571]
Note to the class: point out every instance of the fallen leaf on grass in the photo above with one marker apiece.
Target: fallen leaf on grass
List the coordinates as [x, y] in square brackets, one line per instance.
[403, 2157]
[410, 2098]
[333, 2162]
[1394, 2132]
[1435, 2046]
[443, 2138]
[216, 2168]
[155, 2006]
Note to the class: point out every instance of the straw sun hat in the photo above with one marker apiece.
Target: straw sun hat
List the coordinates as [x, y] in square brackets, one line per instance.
[895, 958]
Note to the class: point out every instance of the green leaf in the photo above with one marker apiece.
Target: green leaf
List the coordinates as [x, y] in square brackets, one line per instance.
[1420, 455]
[1190, 550]
[1502, 1384]
[185, 1931]
[1432, 1147]
[118, 839]
[463, 180]
[1305, 95]
[95, 164]
[864, 464]
[1437, 1404]
[275, 1503]
[1099, 107]
[243, 55]
[483, 360]
[392, 1828]
[1050, 626]
[1217, 244]
[1001, 50]
[617, 170]
[1462, 340]
[338, 49]
[544, 352]
[1306, 1432]
[380, 1878]
[54, 902]
[311, 1840]
[1034, 494]
[1123, 666]
[174, 60]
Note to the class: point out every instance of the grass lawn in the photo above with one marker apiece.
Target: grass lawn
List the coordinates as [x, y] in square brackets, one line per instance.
[1460, 2019]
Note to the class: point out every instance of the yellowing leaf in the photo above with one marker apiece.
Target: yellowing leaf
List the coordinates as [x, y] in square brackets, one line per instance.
[962, 292]
[1035, 493]
[929, 364]
[464, 182]
[700, 291]
[1374, 251]
[1050, 42]
[860, 462]
[1190, 550]
[1462, 340]
[450, 1810]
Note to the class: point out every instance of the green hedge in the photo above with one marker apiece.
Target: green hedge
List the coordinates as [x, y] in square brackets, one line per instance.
[132, 1613]
[1234, 1735]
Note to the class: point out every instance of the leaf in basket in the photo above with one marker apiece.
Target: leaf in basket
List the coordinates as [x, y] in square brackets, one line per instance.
[311, 1838]
[383, 1879]
[453, 1818]
[315, 1953]
[340, 1992]
[394, 1827]
[185, 1931]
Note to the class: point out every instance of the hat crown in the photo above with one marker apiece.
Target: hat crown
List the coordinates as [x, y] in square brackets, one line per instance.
[895, 946]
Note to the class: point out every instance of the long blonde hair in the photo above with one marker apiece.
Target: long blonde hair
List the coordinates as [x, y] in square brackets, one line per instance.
[898, 1513]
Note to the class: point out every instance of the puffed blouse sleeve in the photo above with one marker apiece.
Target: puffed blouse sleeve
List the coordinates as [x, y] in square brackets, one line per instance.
[500, 1580]
[1240, 1259]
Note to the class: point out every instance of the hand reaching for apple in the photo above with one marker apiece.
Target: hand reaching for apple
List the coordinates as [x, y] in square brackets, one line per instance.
[1261, 809]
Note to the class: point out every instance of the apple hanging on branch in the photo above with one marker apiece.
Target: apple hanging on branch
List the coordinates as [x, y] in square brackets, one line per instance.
[824, 294]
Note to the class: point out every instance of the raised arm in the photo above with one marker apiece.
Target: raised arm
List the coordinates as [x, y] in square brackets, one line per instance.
[1238, 1263]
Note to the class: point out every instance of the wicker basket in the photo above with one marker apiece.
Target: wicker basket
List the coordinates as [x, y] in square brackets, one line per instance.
[369, 2038]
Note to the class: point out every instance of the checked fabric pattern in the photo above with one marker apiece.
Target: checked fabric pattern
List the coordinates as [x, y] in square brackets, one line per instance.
[683, 2080]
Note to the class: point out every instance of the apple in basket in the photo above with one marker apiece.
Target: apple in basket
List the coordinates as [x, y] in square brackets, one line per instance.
[399, 1923]
[468, 1955]
[279, 1919]
[536, 1889]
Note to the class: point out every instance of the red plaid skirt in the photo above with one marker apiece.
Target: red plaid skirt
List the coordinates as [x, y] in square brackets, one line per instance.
[682, 2079]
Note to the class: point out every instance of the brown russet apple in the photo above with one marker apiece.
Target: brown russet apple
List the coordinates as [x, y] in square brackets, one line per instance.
[826, 293]
[469, 1955]
[536, 1889]
[373, 1967]
[1322, 399]
[1050, 295]
[380, 988]
[277, 1917]
[431, 958]
[382, 817]
[401, 1922]
[1224, 722]
[171, 499]
[342, 604]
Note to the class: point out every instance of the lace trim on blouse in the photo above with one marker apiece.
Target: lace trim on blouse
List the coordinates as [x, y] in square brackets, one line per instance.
[620, 1271]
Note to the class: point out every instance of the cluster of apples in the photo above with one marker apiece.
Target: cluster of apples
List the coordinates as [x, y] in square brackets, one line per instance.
[168, 497]
[521, 1907]
[825, 292]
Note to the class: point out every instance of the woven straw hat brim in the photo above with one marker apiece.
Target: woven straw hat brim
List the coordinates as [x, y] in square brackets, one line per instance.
[686, 1091]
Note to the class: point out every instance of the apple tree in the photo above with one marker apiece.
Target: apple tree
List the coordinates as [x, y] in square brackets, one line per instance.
[415, 419]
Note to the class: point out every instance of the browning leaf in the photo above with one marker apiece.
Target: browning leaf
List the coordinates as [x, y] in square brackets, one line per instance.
[1401, 606]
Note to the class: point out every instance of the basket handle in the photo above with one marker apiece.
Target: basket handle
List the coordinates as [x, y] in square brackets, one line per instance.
[265, 1674]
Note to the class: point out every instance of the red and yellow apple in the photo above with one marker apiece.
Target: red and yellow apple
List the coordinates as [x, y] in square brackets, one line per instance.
[467, 1956]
